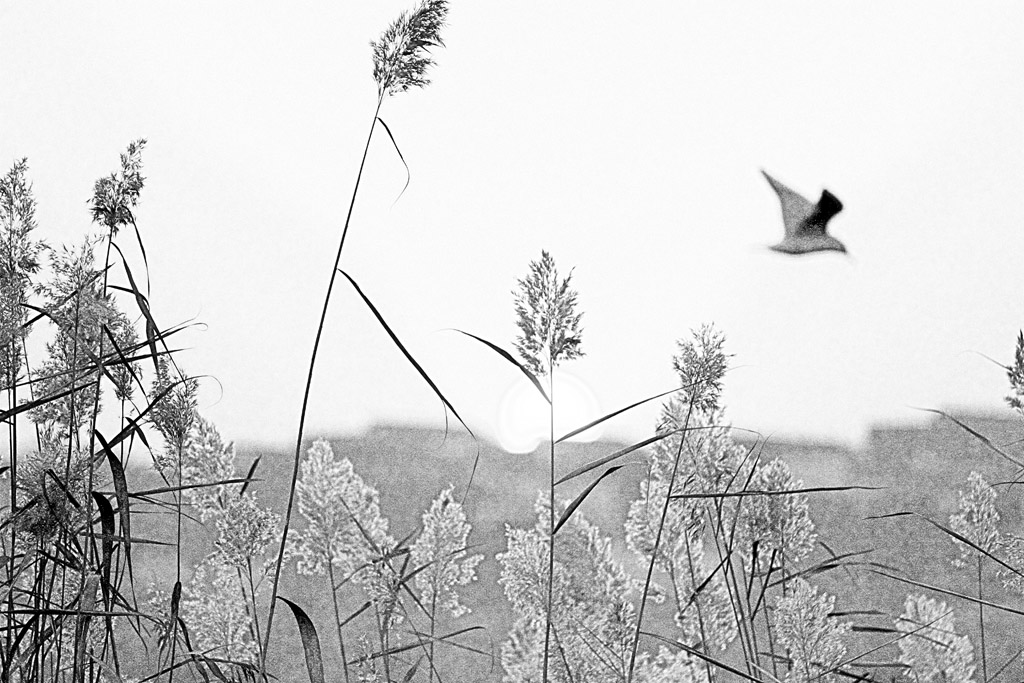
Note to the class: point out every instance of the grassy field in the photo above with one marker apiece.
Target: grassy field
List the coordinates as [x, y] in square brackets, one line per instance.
[917, 469]
[139, 544]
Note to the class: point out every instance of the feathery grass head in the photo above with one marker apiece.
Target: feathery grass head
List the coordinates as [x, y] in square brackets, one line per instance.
[174, 413]
[124, 374]
[701, 364]
[549, 326]
[931, 647]
[976, 520]
[46, 487]
[207, 460]
[114, 196]
[401, 57]
[215, 612]
[811, 635]
[342, 513]
[591, 605]
[441, 548]
[245, 529]
[19, 260]
[776, 524]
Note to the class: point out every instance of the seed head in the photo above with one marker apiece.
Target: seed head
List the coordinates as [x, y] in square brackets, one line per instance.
[549, 326]
[976, 520]
[441, 548]
[811, 635]
[114, 196]
[701, 364]
[931, 647]
[401, 57]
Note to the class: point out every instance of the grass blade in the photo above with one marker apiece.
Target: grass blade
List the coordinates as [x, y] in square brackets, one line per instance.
[511, 359]
[121, 493]
[609, 416]
[152, 330]
[786, 492]
[248, 475]
[408, 173]
[593, 465]
[405, 352]
[310, 642]
[580, 498]
[946, 591]
[107, 525]
[981, 437]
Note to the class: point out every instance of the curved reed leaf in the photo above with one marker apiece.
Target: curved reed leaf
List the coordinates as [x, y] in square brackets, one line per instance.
[412, 671]
[404, 351]
[121, 493]
[152, 330]
[609, 416]
[583, 496]
[981, 437]
[29, 405]
[946, 591]
[786, 492]
[583, 469]
[106, 513]
[366, 606]
[310, 642]
[511, 359]
[408, 173]
[959, 537]
[248, 475]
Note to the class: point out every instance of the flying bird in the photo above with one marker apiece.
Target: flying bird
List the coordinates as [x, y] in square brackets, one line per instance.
[806, 224]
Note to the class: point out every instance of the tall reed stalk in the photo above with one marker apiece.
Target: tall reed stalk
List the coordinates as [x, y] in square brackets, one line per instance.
[700, 364]
[400, 61]
[549, 333]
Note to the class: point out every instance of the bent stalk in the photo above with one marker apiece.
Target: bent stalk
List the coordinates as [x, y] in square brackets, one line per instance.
[305, 399]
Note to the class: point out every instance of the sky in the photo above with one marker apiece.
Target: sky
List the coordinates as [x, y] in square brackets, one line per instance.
[626, 140]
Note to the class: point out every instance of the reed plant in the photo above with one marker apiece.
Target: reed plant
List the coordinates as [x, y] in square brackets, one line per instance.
[549, 334]
[401, 60]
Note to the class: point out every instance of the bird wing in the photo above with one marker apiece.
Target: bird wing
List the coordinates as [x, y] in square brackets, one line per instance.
[795, 207]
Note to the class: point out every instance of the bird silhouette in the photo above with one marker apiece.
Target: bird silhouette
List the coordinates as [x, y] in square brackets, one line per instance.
[806, 223]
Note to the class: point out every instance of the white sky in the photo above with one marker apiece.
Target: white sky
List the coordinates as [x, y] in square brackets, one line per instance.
[624, 138]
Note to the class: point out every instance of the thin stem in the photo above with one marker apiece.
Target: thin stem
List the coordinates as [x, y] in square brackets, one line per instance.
[337, 618]
[551, 502]
[177, 553]
[383, 631]
[250, 612]
[981, 620]
[14, 507]
[305, 400]
[657, 543]
[696, 603]
[252, 596]
[433, 622]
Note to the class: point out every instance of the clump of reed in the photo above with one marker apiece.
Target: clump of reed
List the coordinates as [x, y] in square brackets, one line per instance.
[717, 579]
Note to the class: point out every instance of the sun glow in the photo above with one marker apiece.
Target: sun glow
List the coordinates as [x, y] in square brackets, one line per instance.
[523, 413]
